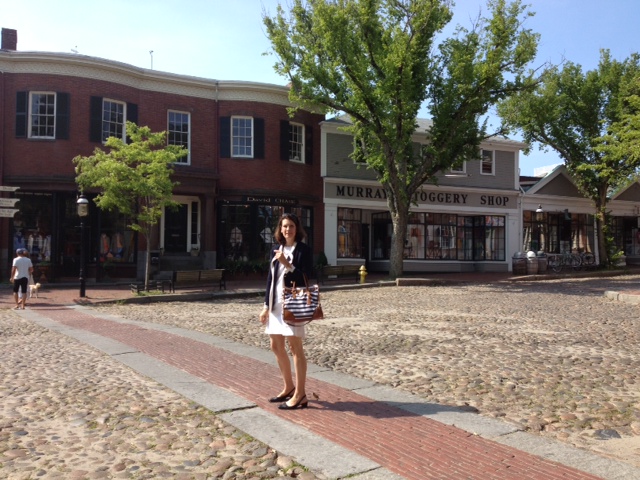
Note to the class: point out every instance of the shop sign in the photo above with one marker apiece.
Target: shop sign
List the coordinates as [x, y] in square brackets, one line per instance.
[426, 197]
[269, 200]
[8, 212]
[8, 202]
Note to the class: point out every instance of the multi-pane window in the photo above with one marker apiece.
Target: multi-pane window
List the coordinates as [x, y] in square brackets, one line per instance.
[349, 233]
[458, 169]
[42, 115]
[439, 236]
[487, 163]
[178, 131]
[296, 142]
[113, 119]
[242, 137]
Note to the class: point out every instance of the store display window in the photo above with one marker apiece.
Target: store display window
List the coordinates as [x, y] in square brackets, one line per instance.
[349, 233]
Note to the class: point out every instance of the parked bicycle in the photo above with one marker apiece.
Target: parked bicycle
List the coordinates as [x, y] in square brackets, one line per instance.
[588, 259]
[558, 261]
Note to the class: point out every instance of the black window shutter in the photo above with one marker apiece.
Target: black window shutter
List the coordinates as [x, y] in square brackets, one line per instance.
[284, 140]
[62, 116]
[95, 127]
[132, 116]
[258, 138]
[225, 137]
[308, 144]
[22, 104]
[132, 112]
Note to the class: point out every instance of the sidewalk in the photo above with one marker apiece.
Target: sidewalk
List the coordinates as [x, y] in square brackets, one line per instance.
[356, 428]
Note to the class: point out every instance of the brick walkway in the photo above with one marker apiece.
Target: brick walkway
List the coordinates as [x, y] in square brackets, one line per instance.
[413, 446]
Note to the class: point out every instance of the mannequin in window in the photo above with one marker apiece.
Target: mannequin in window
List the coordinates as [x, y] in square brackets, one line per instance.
[236, 241]
[342, 240]
[117, 245]
[46, 248]
[19, 241]
[105, 247]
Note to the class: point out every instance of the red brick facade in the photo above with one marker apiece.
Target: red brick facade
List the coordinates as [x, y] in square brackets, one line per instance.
[44, 166]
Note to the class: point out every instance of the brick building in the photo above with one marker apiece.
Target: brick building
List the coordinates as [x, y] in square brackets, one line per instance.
[248, 162]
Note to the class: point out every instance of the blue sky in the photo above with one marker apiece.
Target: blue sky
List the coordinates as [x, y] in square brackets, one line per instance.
[225, 40]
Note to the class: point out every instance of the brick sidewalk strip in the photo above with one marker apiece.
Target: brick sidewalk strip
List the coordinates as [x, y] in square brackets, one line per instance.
[410, 445]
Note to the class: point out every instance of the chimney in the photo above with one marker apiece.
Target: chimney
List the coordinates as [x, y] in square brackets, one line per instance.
[9, 39]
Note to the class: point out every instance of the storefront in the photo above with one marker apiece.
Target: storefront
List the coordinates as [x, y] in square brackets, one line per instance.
[247, 227]
[557, 219]
[449, 229]
[48, 226]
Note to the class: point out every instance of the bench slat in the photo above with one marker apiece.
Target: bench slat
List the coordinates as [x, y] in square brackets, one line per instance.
[200, 276]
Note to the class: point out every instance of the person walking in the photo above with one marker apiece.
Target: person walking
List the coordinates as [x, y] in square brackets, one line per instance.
[21, 270]
[289, 263]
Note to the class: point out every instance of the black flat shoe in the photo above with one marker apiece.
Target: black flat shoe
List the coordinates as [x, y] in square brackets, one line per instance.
[303, 403]
[282, 398]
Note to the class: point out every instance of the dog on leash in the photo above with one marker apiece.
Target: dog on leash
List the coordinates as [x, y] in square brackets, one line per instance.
[33, 290]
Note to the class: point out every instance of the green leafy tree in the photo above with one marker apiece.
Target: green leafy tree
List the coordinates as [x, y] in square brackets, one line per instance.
[133, 178]
[376, 60]
[591, 120]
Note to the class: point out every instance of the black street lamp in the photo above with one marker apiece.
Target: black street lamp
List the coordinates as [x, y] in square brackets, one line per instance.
[83, 212]
[539, 218]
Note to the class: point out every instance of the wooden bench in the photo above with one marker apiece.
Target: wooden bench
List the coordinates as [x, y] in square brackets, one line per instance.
[193, 277]
[339, 271]
[153, 285]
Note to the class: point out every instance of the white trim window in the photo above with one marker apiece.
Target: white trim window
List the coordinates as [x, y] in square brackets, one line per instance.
[242, 137]
[113, 119]
[42, 115]
[179, 132]
[487, 163]
[296, 142]
[459, 170]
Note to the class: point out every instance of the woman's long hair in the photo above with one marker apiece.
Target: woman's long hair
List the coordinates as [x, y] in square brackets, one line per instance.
[300, 233]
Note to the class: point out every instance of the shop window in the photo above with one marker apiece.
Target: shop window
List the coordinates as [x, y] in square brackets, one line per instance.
[247, 234]
[495, 235]
[415, 242]
[179, 132]
[31, 226]
[117, 240]
[382, 232]
[349, 233]
[625, 234]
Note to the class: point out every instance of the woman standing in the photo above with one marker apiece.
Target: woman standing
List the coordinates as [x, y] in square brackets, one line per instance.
[289, 263]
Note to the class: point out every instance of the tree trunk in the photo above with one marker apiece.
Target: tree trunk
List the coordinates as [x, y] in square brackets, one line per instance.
[601, 220]
[396, 259]
[147, 267]
[601, 225]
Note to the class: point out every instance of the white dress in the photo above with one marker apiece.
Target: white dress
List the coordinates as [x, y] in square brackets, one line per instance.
[275, 324]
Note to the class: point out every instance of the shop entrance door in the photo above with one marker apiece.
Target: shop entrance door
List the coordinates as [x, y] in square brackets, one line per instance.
[176, 223]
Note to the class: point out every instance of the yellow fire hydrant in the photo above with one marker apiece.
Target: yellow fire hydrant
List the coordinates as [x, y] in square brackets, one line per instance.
[363, 274]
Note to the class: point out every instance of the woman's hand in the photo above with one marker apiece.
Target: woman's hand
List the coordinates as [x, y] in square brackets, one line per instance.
[281, 257]
[264, 315]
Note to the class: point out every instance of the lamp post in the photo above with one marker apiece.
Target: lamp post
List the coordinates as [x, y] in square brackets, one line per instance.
[83, 211]
[539, 218]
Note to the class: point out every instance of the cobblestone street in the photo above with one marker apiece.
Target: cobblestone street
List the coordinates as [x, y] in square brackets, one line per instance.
[554, 357]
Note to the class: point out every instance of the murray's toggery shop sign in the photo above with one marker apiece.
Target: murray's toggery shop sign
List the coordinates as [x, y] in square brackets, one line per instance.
[426, 197]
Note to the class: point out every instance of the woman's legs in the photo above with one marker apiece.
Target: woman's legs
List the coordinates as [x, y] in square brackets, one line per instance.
[300, 364]
[279, 349]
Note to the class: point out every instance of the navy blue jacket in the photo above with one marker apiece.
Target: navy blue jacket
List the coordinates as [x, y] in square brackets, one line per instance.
[302, 260]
